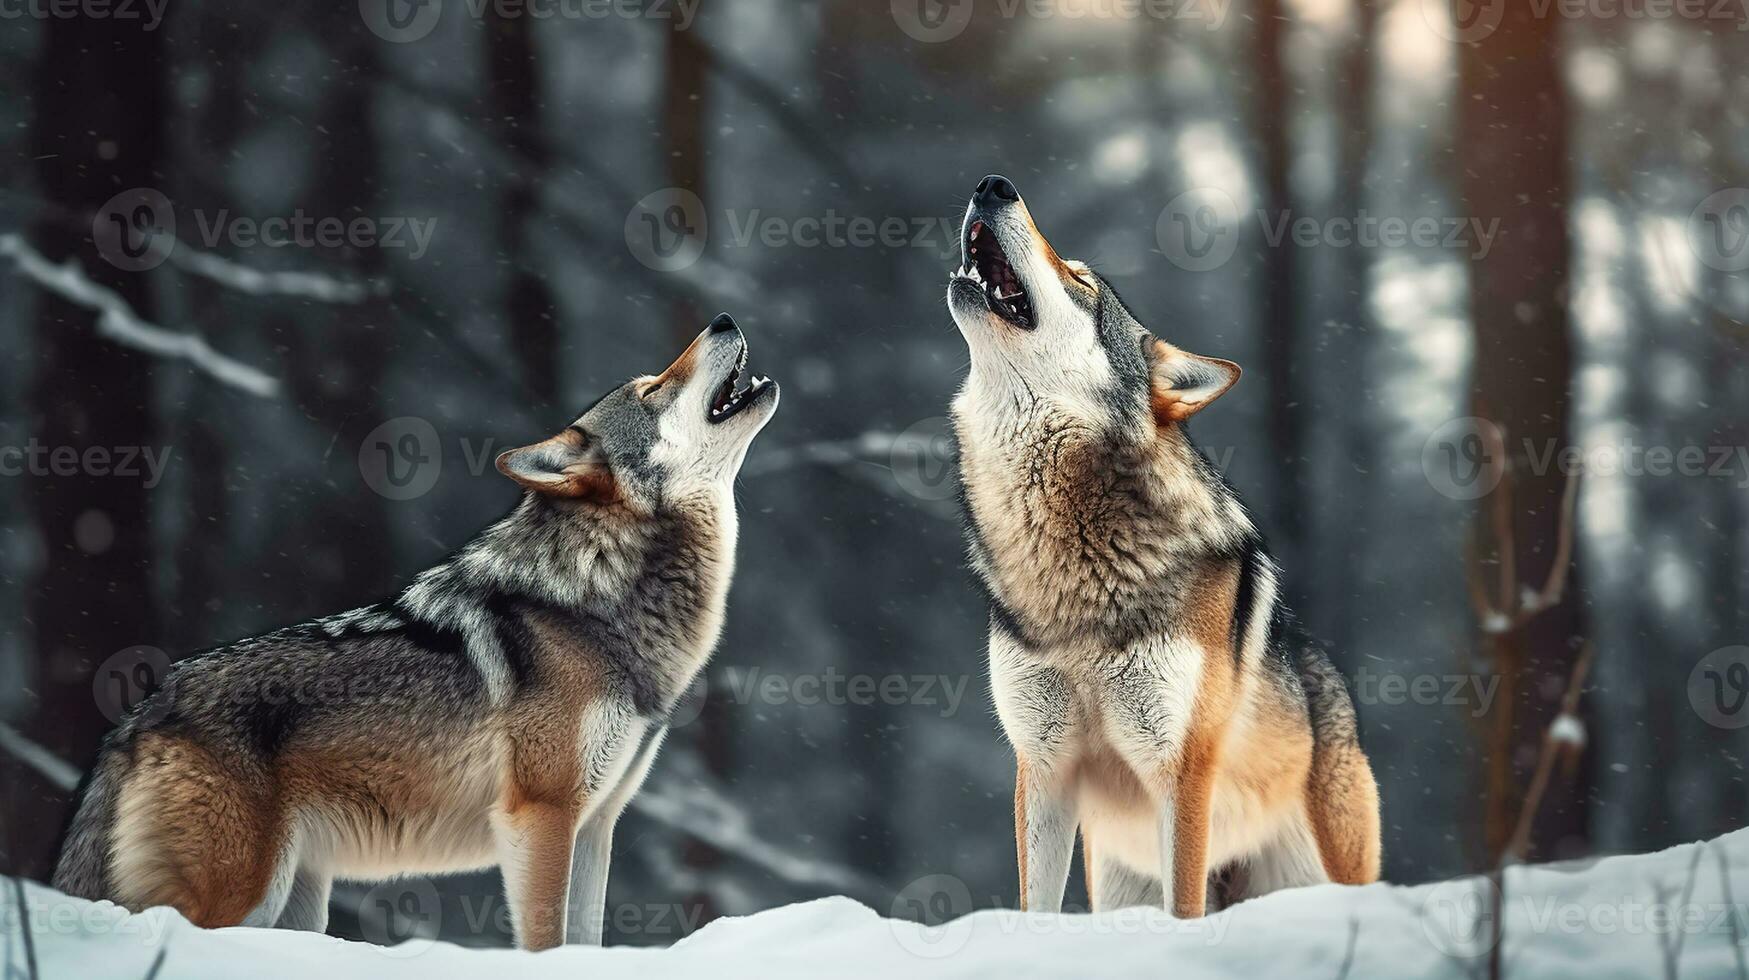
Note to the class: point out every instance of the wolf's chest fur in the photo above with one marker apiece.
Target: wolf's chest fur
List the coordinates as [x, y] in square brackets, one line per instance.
[1082, 538]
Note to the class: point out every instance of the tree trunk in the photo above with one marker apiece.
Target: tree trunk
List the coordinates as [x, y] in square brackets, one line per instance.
[683, 115]
[683, 119]
[1512, 128]
[101, 94]
[514, 99]
[1272, 108]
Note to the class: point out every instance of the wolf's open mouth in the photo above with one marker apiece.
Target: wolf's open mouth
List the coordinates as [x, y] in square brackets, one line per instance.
[728, 399]
[987, 265]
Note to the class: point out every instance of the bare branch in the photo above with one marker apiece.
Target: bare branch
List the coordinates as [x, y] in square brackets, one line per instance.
[1555, 588]
[1557, 739]
[118, 321]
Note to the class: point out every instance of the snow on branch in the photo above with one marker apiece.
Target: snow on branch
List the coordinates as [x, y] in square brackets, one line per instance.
[118, 321]
[47, 764]
[254, 282]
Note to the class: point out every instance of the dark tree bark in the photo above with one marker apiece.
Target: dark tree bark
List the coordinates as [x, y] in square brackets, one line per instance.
[203, 558]
[1272, 110]
[1512, 131]
[339, 366]
[514, 100]
[683, 122]
[1345, 350]
[101, 93]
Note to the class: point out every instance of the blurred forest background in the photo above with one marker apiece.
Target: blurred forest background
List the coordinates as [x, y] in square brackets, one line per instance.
[593, 185]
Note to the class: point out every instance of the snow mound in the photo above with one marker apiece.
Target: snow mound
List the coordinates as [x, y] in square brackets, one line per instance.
[1669, 914]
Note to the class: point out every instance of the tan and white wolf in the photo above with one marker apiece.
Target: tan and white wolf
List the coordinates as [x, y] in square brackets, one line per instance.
[1153, 686]
[502, 710]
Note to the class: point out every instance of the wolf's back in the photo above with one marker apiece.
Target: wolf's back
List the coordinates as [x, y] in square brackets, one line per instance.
[83, 870]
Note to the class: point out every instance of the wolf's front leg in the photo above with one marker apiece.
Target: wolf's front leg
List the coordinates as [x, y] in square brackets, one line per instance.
[534, 843]
[589, 863]
[594, 849]
[1184, 833]
[1044, 835]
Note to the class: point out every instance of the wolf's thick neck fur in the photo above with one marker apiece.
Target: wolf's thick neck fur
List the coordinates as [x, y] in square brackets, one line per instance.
[1083, 532]
[647, 591]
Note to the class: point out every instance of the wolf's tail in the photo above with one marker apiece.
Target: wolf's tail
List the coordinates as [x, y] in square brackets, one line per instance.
[1342, 797]
[83, 870]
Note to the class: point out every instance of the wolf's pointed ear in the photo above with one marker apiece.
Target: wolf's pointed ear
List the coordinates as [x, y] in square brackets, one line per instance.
[1183, 383]
[564, 466]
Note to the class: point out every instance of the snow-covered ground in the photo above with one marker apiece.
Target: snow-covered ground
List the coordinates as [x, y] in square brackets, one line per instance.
[1679, 913]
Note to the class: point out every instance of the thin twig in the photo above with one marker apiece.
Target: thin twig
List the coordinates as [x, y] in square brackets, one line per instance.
[1673, 953]
[1348, 954]
[24, 929]
[1732, 913]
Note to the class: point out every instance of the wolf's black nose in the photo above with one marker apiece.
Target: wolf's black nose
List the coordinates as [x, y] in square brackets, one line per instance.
[993, 190]
[723, 322]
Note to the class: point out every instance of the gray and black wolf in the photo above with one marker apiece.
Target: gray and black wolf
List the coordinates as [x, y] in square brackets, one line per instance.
[501, 710]
[1154, 688]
